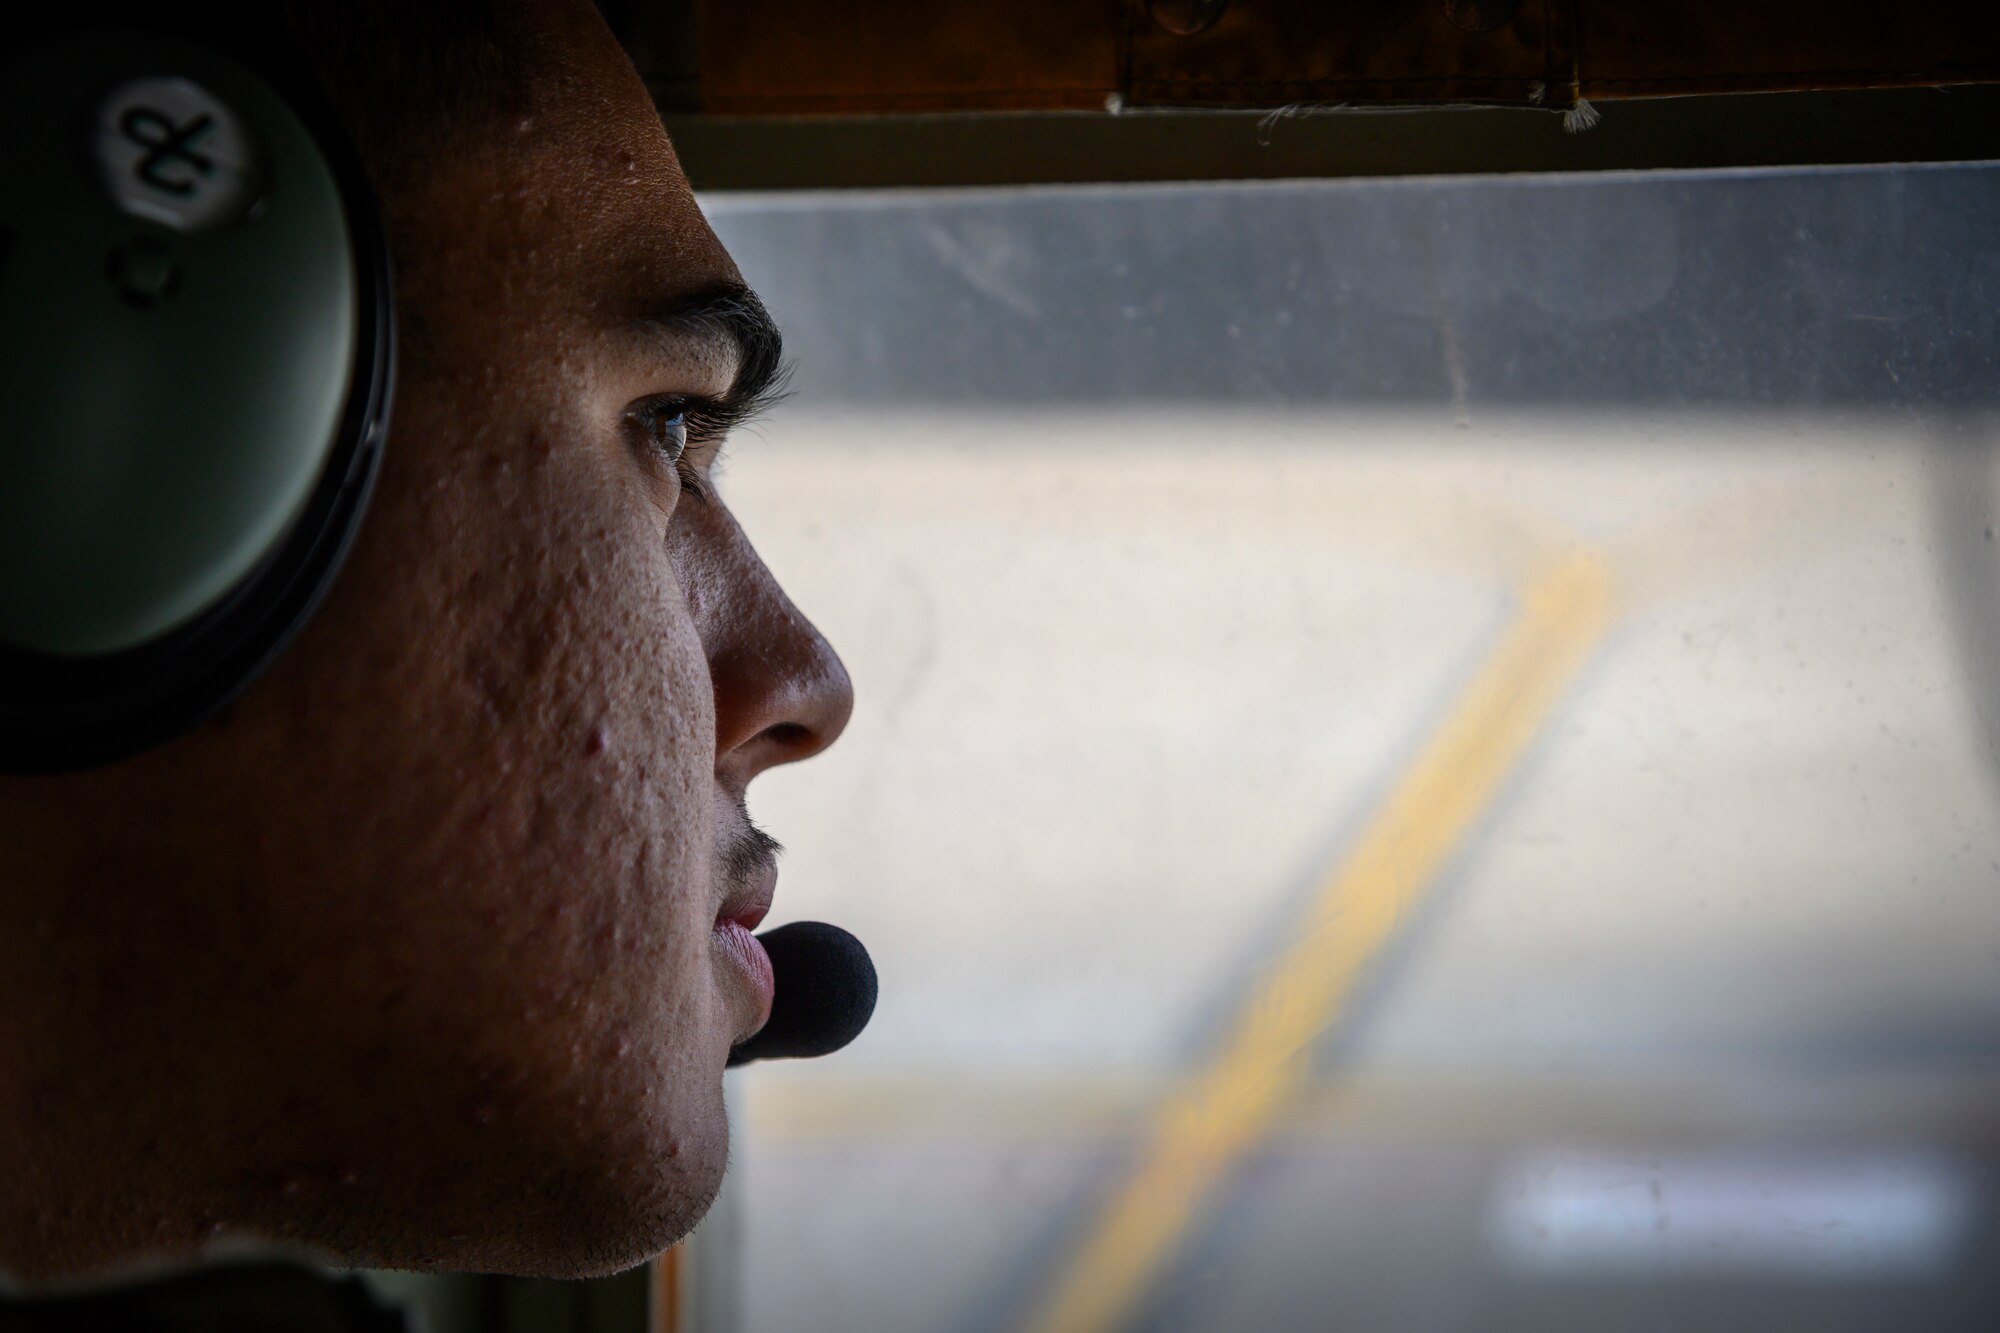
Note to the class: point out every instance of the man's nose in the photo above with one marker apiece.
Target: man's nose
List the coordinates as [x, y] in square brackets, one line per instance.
[781, 692]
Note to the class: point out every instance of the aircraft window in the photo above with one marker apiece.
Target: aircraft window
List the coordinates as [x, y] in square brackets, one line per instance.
[1427, 756]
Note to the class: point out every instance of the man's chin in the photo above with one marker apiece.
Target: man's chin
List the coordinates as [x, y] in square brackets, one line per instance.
[603, 1217]
[612, 1243]
[612, 1186]
[569, 1231]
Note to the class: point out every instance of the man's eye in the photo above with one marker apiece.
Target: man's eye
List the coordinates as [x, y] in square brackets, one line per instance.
[667, 429]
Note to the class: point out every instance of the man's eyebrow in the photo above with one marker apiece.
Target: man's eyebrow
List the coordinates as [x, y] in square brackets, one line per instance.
[733, 312]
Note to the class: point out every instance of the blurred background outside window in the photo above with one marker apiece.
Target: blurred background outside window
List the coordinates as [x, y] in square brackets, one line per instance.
[1427, 756]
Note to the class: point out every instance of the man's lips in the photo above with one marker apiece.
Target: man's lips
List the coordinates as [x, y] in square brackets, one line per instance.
[749, 961]
[746, 906]
[749, 903]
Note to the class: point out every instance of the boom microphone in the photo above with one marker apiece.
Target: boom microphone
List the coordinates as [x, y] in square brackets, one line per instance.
[823, 996]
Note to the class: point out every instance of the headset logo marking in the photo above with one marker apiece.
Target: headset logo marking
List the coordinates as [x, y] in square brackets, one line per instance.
[169, 150]
[168, 144]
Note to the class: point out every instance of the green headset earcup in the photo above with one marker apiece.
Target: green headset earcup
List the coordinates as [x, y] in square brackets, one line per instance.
[169, 398]
[194, 355]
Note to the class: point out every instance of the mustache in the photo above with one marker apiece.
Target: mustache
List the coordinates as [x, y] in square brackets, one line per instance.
[743, 856]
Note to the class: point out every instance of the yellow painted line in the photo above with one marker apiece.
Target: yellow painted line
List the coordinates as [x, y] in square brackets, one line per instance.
[1207, 1122]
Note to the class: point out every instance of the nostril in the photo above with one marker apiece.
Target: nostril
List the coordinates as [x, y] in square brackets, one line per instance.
[790, 736]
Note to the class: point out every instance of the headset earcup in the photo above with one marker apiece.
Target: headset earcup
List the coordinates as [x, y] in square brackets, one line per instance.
[195, 350]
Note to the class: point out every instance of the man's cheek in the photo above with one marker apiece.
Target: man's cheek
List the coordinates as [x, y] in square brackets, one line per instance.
[658, 735]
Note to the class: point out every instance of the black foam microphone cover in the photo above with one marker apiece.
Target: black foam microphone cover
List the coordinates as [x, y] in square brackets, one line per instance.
[824, 993]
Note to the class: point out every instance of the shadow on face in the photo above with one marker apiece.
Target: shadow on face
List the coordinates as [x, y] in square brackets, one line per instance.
[411, 956]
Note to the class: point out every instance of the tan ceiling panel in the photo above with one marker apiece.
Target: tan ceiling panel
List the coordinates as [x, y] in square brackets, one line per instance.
[1266, 53]
[1637, 50]
[737, 57]
[892, 55]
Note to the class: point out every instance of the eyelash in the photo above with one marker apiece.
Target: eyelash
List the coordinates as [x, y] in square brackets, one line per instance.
[705, 422]
[696, 422]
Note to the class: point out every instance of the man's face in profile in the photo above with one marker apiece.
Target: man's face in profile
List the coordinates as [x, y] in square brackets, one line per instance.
[420, 954]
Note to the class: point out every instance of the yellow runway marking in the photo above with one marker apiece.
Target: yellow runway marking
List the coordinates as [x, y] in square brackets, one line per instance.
[1221, 1111]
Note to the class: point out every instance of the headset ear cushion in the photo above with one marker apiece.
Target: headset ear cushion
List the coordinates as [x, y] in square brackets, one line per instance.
[196, 346]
